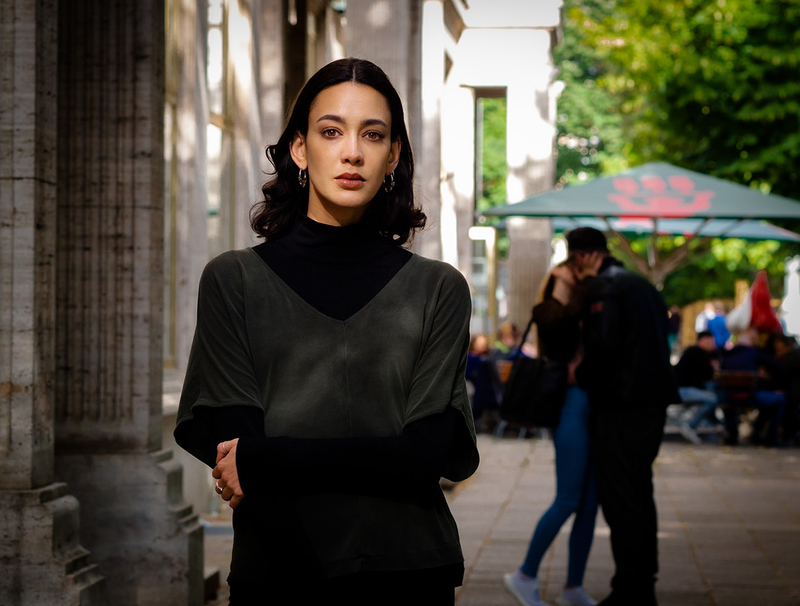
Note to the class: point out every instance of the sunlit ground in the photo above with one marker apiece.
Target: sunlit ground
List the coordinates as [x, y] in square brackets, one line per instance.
[729, 525]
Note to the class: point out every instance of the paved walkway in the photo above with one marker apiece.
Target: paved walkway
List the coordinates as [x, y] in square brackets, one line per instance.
[729, 525]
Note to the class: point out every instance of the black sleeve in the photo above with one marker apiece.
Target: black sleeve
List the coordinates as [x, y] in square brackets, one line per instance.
[220, 381]
[420, 452]
[212, 425]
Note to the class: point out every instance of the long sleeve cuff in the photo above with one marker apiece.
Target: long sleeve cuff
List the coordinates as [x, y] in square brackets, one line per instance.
[420, 452]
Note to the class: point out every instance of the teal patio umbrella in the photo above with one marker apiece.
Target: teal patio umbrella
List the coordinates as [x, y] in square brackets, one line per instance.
[655, 190]
[658, 192]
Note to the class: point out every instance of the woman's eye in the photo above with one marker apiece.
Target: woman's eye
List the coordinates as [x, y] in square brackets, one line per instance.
[374, 136]
[329, 132]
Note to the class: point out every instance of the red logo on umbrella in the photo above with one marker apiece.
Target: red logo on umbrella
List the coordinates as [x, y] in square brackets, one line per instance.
[654, 198]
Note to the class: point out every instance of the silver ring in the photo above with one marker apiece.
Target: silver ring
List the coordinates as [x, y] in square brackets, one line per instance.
[223, 447]
[219, 490]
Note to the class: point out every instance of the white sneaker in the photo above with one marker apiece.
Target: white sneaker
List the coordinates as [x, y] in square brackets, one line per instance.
[525, 589]
[689, 433]
[575, 597]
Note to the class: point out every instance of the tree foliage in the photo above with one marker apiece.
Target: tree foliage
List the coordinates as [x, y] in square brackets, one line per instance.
[713, 276]
[589, 139]
[711, 86]
[716, 267]
[493, 164]
[494, 167]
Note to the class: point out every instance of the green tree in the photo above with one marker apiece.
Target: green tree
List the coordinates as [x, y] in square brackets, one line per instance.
[494, 168]
[713, 275]
[715, 267]
[713, 87]
[493, 164]
[589, 139]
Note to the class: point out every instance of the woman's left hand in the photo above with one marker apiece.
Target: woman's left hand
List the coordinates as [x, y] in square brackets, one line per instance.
[564, 273]
[226, 474]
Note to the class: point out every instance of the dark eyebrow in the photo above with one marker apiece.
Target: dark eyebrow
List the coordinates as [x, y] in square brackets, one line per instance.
[369, 122]
[374, 122]
[333, 117]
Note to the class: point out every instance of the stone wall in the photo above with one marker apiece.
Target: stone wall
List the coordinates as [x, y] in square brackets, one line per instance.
[41, 556]
[110, 245]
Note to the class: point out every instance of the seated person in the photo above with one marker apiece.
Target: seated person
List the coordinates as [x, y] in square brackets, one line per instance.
[694, 373]
[502, 352]
[480, 373]
[745, 356]
[716, 326]
[505, 346]
[785, 350]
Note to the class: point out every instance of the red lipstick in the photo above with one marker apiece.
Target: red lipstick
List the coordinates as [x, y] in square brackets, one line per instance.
[350, 180]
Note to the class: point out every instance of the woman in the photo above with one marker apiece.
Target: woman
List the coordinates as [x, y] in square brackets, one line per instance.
[326, 380]
[557, 317]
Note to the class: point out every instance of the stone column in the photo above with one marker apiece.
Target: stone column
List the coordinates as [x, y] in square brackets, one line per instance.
[531, 167]
[428, 159]
[41, 559]
[268, 17]
[394, 43]
[458, 171]
[187, 216]
[528, 259]
[389, 42]
[110, 250]
[250, 168]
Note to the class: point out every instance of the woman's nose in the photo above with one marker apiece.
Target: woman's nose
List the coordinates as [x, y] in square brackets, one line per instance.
[352, 153]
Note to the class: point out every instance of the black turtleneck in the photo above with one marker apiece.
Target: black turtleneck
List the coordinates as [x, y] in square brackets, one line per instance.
[337, 270]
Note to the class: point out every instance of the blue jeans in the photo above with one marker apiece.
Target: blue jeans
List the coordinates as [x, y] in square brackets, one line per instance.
[707, 398]
[575, 492]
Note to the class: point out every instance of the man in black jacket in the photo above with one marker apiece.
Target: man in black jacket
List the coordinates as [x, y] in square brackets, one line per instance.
[627, 372]
[694, 374]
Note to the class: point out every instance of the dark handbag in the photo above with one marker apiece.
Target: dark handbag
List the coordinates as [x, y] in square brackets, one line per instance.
[535, 390]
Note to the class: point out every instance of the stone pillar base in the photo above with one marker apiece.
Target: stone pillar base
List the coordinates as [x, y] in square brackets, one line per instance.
[40, 553]
[147, 541]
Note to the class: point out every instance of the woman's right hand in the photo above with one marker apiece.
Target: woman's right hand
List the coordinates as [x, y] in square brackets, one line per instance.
[226, 474]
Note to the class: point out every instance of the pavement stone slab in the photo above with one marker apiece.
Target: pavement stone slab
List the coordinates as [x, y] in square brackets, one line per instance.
[729, 526]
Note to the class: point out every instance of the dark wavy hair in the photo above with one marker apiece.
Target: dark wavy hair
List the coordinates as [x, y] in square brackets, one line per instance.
[393, 214]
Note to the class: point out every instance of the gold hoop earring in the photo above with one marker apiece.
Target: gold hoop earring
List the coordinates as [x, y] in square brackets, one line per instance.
[302, 178]
[390, 186]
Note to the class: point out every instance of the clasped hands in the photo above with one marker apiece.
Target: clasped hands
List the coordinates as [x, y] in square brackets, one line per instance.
[226, 474]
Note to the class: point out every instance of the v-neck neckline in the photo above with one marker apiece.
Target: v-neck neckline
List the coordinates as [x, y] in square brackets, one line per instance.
[309, 307]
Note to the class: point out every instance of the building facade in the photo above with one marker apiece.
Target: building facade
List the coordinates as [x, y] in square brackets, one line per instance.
[132, 138]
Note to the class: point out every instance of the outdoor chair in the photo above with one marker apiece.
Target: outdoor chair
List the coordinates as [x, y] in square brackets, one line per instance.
[737, 393]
